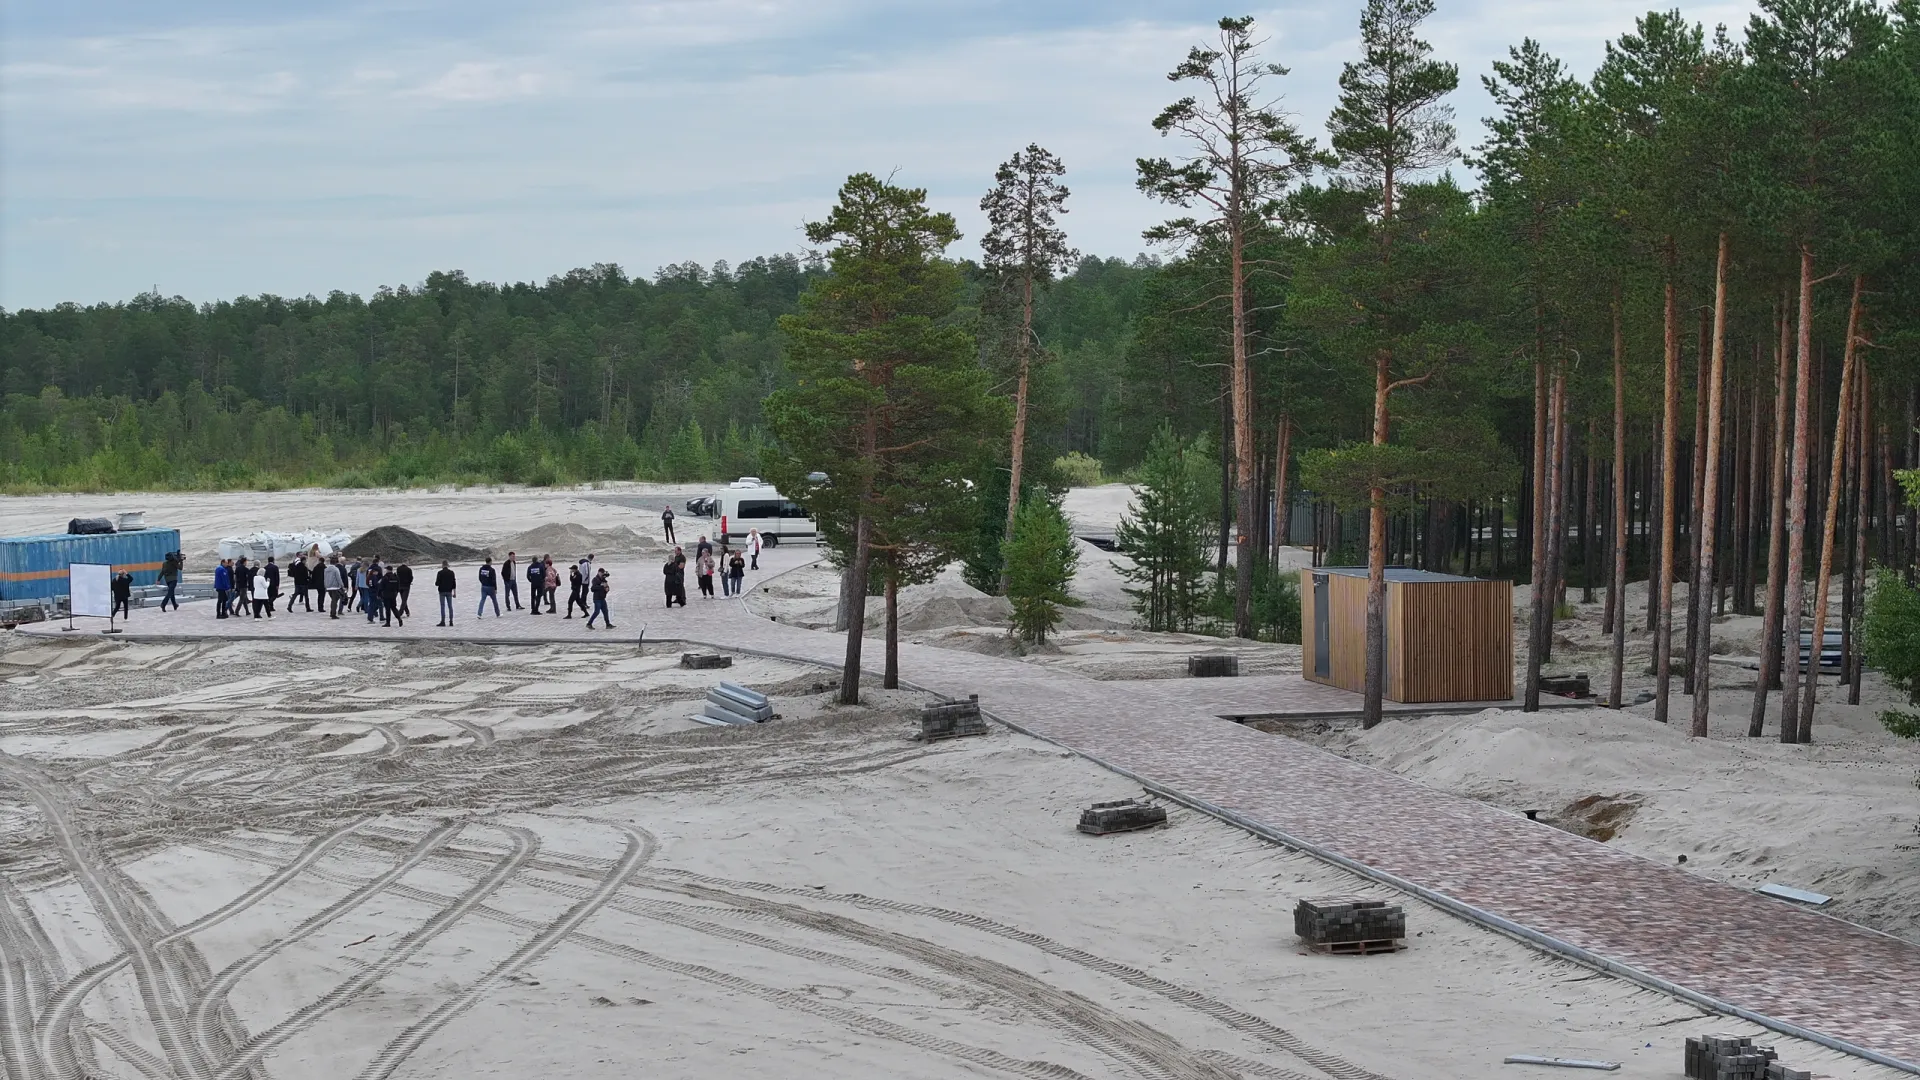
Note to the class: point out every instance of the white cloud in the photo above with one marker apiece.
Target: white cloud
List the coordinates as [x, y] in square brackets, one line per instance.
[349, 152]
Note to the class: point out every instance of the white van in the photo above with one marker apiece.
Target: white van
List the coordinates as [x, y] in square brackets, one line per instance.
[777, 517]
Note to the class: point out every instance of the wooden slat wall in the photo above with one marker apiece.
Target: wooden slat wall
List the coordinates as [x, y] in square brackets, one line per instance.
[1346, 630]
[1455, 641]
[1446, 640]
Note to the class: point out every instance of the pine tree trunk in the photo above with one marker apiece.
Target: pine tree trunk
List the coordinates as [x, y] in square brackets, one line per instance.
[1586, 523]
[1698, 519]
[856, 609]
[890, 680]
[1376, 680]
[1019, 450]
[1829, 517]
[1709, 510]
[1549, 597]
[1282, 509]
[1862, 524]
[1756, 520]
[1770, 653]
[1617, 593]
[1226, 472]
[1670, 416]
[1248, 478]
[1794, 594]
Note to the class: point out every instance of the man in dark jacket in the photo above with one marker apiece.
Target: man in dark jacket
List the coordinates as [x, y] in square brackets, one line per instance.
[536, 583]
[297, 577]
[389, 594]
[404, 577]
[489, 581]
[576, 591]
[675, 572]
[444, 582]
[170, 577]
[507, 571]
[122, 596]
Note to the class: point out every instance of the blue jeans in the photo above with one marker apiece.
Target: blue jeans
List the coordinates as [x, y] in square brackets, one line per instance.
[446, 608]
[600, 612]
[170, 598]
[487, 596]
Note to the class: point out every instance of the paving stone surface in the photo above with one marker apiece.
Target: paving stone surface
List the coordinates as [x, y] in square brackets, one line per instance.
[1753, 952]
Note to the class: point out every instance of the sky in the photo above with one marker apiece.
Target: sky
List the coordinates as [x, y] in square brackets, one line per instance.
[216, 148]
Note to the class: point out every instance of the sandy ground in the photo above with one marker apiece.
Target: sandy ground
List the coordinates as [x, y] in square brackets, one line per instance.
[368, 859]
[444, 860]
[1837, 817]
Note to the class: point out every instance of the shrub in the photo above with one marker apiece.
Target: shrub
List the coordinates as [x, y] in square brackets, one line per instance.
[1079, 470]
[1890, 634]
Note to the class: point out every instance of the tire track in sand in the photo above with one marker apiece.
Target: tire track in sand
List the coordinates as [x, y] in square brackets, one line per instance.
[155, 978]
[63, 1008]
[1237, 1019]
[214, 997]
[851, 1019]
[640, 848]
[523, 846]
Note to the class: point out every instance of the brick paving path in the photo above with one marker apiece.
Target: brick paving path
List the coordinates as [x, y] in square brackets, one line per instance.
[1783, 964]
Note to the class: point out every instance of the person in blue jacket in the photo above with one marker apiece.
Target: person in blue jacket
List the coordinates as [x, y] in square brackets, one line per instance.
[222, 587]
[489, 580]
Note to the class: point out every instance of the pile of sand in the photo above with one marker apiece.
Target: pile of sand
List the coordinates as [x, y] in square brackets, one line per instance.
[574, 540]
[394, 543]
[945, 601]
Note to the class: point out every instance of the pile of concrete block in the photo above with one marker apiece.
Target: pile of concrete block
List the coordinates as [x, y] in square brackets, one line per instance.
[1573, 686]
[1735, 1057]
[951, 719]
[1213, 665]
[700, 661]
[1348, 925]
[731, 703]
[1123, 815]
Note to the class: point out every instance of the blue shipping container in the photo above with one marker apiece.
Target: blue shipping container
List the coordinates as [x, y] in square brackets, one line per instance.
[35, 567]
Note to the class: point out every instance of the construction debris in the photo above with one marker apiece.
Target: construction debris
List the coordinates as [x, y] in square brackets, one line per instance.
[1573, 686]
[1735, 1057]
[731, 703]
[1213, 665]
[1350, 926]
[702, 661]
[1559, 1062]
[1123, 815]
[952, 718]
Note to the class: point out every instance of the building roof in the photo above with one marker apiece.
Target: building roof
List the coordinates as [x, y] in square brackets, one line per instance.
[1394, 573]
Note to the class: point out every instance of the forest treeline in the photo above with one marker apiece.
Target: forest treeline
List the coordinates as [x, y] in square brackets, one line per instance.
[1668, 329]
[593, 375]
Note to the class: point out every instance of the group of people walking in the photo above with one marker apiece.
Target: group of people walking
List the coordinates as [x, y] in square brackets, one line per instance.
[381, 591]
[378, 590]
[586, 581]
[730, 565]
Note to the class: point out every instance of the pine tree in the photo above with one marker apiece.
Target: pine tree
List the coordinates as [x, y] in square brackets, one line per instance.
[1041, 556]
[1243, 156]
[1023, 250]
[1164, 532]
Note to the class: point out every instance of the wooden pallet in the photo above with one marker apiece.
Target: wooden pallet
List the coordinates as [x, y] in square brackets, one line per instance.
[1120, 828]
[1357, 948]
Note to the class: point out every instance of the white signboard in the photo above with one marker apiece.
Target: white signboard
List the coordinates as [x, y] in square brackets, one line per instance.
[90, 589]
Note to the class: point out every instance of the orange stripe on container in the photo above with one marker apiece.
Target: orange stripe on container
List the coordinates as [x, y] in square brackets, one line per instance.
[42, 575]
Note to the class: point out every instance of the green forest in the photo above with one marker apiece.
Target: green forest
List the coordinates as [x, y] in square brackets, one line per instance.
[1662, 319]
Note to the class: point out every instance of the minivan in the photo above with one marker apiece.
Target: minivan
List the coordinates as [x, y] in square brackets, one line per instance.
[777, 517]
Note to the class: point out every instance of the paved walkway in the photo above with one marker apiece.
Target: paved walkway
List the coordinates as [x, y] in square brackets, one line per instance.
[1776, 963]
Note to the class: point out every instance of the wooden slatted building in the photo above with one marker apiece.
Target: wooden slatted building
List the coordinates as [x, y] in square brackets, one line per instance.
[1448, 638]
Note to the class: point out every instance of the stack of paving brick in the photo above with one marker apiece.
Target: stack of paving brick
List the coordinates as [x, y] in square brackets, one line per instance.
[703, 661]
[1347, 925]
[951, 719]
[1123, 815]
[1735, 1057]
